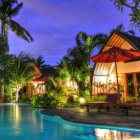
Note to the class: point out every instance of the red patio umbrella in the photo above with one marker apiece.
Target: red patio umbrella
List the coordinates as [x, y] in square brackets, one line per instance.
[115, 54]
[43, 79]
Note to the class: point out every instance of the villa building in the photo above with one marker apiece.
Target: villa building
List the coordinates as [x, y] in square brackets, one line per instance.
[104, 77]
[37, 85]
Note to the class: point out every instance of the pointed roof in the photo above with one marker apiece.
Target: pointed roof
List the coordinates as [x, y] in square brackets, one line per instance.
[133, 40]
[117, 38]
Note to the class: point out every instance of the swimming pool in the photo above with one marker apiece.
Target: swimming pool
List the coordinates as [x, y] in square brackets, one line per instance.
[20, 122]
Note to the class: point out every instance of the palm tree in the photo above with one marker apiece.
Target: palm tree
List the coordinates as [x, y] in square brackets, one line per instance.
[86, 43]
[134, 14]
[20, 73]
[8, 10]
[77, 60]
[6, 64]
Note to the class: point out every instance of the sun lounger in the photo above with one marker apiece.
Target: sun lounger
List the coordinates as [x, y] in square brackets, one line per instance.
[111, 100]
[127, 106]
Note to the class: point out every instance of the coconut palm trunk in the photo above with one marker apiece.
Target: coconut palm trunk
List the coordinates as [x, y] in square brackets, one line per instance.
[17, 95]
[4, 32]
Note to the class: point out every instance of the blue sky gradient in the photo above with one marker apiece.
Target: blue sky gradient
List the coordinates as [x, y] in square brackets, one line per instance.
[55, 23]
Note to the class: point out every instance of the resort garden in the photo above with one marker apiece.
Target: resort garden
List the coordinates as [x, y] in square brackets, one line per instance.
[65, 89]
[91, 94]
[74, 72]
[73, 84]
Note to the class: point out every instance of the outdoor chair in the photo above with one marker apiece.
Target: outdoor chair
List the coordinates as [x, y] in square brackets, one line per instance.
[110, 101]
[127, 106]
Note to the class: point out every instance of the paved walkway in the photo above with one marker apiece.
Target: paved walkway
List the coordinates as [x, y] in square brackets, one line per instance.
[112, 118]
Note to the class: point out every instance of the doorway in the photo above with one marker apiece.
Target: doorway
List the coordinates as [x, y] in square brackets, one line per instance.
[130, 85]
[138, 83]
[133, 84]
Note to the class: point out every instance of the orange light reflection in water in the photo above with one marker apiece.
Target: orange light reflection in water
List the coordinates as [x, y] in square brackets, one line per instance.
[105, 134]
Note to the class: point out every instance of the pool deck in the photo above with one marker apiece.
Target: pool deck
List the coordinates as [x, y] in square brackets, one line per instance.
[111, 118]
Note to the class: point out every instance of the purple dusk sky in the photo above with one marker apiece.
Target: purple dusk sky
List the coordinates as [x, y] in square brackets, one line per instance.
[55, 23]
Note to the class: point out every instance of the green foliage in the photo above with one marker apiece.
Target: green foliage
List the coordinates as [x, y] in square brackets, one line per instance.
[87, 95]
[38, 101]
[24, 97]
[8, 10]
[6, 64]
[3, 45]
[72, 100]
[15, 71]
[129, 99]
[48, 101]
[98, 98]
[21, 71]
[133, 5]
[121, 28]
[76, 63]
[7, 98]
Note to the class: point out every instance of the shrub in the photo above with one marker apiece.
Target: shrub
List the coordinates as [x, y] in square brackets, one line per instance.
[37, 101]
[98, 98]
[130, 100]
[7, 98]
[48, 101]
[24, 97]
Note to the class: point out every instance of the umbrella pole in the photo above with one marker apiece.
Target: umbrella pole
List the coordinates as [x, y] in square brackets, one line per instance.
[116, 75]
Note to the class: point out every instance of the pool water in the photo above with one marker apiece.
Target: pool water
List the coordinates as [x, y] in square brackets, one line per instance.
[20, 122]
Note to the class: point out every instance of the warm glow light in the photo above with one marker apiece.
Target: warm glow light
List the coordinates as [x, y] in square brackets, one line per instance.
[107, 134]
[100, 79]
[17, 114]
[111, 69]
[72, 84]
[112, 78]
[82, 100]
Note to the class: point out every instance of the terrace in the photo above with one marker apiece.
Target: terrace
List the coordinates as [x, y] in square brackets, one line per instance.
[112, 118]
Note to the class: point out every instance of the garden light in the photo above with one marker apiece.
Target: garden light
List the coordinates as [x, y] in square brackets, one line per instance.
[82, 100]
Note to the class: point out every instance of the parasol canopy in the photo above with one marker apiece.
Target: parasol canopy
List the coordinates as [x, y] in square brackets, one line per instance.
[41, 79]
[115, 54]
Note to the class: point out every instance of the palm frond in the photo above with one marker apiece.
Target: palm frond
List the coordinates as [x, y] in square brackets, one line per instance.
[15, 11]
[80, 38]
[20, 31]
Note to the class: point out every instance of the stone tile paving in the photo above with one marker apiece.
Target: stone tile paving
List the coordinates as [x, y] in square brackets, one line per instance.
[112, 118]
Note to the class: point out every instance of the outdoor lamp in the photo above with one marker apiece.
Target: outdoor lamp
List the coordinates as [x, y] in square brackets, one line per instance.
[82, 100]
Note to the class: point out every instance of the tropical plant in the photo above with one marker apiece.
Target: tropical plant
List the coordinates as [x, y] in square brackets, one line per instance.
[121, 28]
[50, 101]
[98, 98]
[56, 86]
[8, 10]
[39, 61]
[20, 73]
[88, 42]
[77, 60]
[134, 6]
[6, 64]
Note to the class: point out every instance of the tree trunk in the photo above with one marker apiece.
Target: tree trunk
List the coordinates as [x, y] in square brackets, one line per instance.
[2, 28]
[2, 90]
[4, 32]
[91, 82]
[17, 96]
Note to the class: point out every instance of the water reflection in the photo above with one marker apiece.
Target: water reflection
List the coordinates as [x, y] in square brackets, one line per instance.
[16, 114]
[106, 134]
[24, 123]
